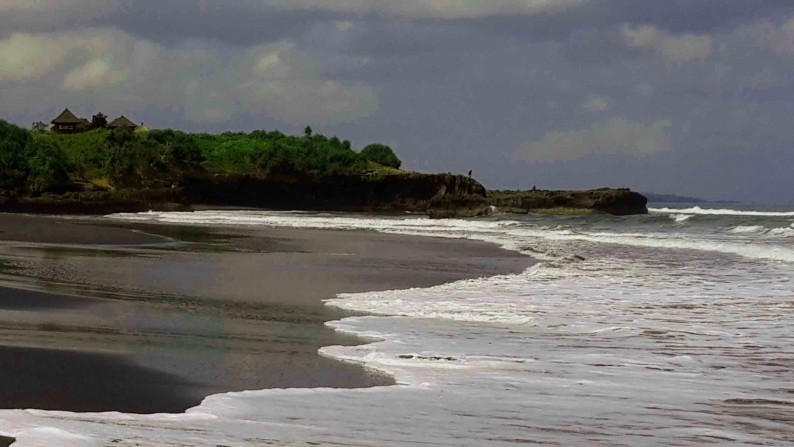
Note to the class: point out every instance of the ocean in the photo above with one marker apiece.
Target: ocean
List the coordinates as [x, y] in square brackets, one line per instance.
[673, 328]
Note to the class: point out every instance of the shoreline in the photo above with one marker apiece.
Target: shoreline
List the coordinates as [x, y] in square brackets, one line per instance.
[292, 320]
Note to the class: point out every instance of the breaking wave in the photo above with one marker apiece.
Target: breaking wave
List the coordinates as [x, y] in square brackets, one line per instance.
[509, 234]
[680, 218]
[696, 210]
[762, 230]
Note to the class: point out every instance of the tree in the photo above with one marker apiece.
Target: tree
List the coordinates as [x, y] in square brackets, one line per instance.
[119, 137]
[48, 169]
[382, 154]
[122, 167]
[307, 131]
[13, 169]
[39, 126]
[99, 121]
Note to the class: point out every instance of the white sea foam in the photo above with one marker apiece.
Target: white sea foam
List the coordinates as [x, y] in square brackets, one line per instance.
[464, 301]
[762, 230]
[680, 217]
[749, 229]
[721, 212]
[507, 233]
[671, 242]
[782, 232]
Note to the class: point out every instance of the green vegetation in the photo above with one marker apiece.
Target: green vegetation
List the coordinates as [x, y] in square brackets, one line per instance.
[48, 167]
[41, 161]
[381, 154]
[13, 164]
[87, 152]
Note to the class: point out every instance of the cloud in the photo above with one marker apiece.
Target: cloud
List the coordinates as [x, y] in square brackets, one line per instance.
[203, 104]
[57, 7]
[289, 87]
[343, 26]
[275, 80]
[209, 84]
[96, 73]
[596, 104]
[644, 89]
[31, 56]
[434, 9]
[615, 137]
[674, 49]
[55, 11]
[778, 38]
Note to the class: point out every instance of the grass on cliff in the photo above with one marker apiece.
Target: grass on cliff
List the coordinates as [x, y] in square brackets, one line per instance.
[87, 151]
[378, 170]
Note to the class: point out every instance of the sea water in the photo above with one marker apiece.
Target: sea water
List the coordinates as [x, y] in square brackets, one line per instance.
[673, 328]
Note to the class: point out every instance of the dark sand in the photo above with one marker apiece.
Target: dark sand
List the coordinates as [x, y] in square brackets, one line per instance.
[156, 328]
[17, 227]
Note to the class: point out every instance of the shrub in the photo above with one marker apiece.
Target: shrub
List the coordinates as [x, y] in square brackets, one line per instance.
[382, 154]
[48, 169]
[122, 166]
[13, 166]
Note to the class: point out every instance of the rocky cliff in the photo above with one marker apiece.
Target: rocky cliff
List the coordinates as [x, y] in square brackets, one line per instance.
[94, 202]
[619, 202]
[438, 195]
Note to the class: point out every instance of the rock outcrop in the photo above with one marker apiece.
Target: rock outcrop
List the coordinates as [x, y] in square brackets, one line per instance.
[94, 202]
[439, 195]
[619, 202]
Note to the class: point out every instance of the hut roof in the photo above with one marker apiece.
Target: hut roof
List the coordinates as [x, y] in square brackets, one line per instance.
[122, 121]
[66, 117]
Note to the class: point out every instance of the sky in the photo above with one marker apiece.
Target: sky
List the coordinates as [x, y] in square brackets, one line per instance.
[685, 97]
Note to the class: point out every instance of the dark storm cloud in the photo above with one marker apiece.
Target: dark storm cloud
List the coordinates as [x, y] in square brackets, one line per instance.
[230, 22]
[676, 16]
[252, 22]
[687, 16]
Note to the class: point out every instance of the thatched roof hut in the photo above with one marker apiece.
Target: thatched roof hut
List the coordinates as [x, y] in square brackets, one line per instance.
[66, 122]
[122, 122]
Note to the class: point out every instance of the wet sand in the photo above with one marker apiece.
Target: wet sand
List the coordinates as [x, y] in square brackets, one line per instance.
[92, 320]
[23, 228]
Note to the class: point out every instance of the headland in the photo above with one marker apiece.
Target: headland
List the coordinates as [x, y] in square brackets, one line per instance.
[115, 169]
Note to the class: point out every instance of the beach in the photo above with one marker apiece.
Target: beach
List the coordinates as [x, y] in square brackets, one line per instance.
[151, 318]
[665, 329]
